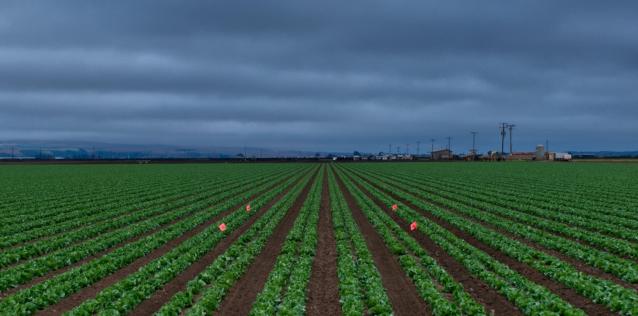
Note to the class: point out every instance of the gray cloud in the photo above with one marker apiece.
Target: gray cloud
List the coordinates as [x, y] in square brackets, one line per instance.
[320, 75]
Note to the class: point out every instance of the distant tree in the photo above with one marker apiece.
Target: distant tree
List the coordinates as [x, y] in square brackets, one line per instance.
[356, 153]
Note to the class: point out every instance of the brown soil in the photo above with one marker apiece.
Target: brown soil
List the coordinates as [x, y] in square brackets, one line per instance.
[239, 299]
[567, 294]
[91, 291]
[57, 272]
[402, 293]
[493, 301]
[323, 289]
[159, 298]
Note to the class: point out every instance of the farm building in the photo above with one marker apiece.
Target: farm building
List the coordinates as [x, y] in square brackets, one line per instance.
[522, 156]
[443, 154]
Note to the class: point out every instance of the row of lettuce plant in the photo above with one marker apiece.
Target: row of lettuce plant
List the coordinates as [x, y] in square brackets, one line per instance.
[22, 273]
[45, 246]
[360, 288]
[124, 295]
[527, 296]
[622, 268]
[285, 288]
[54, 289]
[607, 293]
[426, 274]
[211, 285]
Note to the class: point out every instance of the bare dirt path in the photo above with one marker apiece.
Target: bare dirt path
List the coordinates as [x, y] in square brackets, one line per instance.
[402, 293]
[323, 289]
[241, 296]
[91, 291]
[568, 294]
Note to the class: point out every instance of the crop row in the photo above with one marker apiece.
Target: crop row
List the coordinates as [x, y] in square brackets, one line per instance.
[52, 290]
[285, 290]
[615, 297]
[67, 202]
[124, 295]
[624, 269]
[211, 285]
[360, 286]
[48, 245]
[424, 271]
[588, 219]
[528, 296]
[20, 274]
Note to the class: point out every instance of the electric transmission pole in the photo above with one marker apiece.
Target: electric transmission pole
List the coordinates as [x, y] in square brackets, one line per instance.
[503, 132]
[474, 145]
[510, 126]
[418, 147]
[407, 149]
[449, 148]
[432, 150]
[390, 149]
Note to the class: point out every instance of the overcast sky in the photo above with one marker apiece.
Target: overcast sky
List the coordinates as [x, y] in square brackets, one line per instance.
[321, 75]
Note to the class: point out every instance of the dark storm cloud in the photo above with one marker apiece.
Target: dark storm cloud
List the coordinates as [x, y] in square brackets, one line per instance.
[320, 75]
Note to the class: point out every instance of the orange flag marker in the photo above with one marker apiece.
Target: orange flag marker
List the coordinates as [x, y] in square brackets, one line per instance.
[247, 207]
[222, 227]
[395, 207]
[413, 226]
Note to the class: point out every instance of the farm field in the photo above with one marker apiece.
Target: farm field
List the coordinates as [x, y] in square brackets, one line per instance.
[319, 239]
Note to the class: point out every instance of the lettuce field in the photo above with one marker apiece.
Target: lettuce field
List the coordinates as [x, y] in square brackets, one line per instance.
[319, 239]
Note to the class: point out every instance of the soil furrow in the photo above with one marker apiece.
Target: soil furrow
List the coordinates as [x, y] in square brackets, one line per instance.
[159, 298]
[240, 298]
[493, 301]
[323, 288]
[89, 292]
[402, 293]
[568, 294]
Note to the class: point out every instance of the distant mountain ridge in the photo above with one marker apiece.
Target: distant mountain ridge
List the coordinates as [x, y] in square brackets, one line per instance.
[94, 150]
[606, 154]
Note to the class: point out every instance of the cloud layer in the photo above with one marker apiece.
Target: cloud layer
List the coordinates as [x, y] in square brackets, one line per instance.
[321, 75]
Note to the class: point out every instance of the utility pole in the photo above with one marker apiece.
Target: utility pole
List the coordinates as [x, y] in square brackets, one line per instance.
[510, 126]
[546, 145]
[390, 149]
[418, 147]
[502, 128]
[449, 139]
[407, 149]
[398, 150]
[474, 145]
[432, 150]
[13, 152]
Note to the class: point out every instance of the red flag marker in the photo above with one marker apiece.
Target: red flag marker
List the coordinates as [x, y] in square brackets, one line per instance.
[395, 207]
[413, 226]
[222, 227]
[247, 207]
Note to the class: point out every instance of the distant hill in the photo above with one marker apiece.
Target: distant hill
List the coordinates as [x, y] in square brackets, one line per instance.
[605, 154]
[87, 150]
